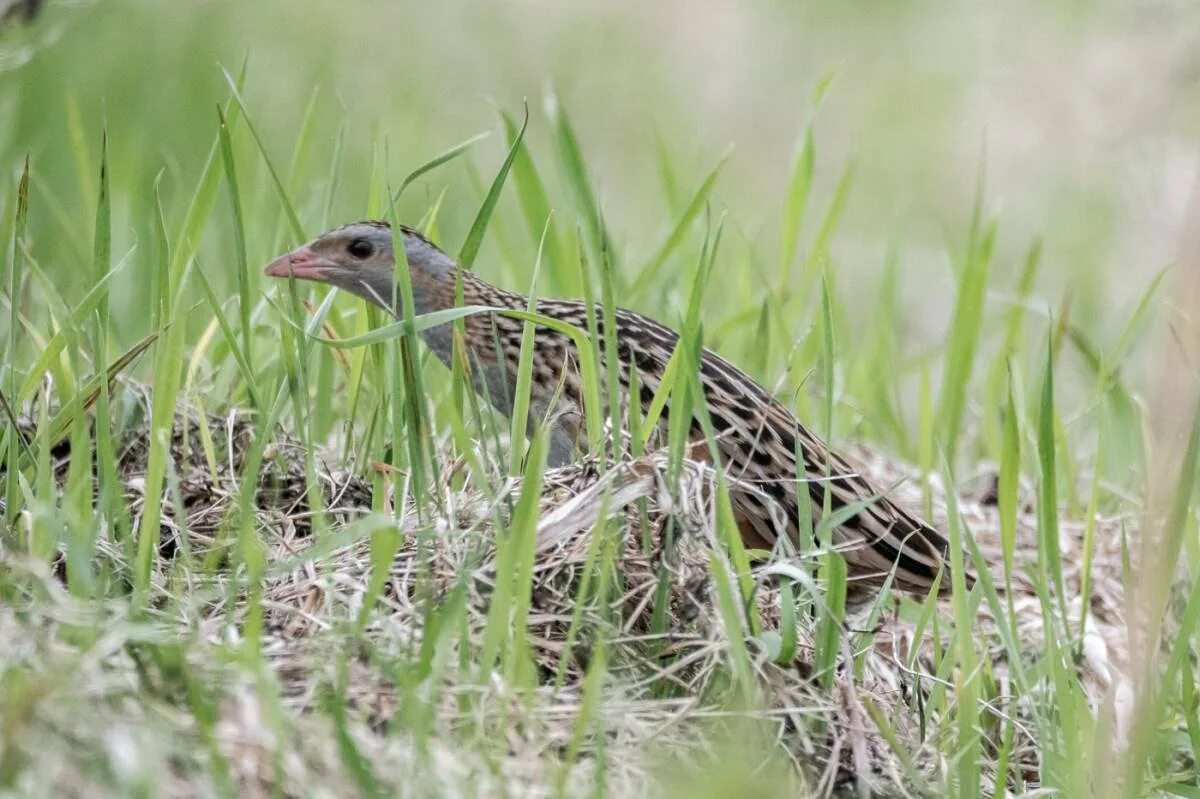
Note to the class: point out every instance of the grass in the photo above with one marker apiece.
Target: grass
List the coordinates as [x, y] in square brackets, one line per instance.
[258, 543]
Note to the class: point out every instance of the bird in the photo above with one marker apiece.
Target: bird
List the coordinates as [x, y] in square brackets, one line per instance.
[756, 437]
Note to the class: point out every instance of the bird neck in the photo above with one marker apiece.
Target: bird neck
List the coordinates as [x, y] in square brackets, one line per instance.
[451, 288]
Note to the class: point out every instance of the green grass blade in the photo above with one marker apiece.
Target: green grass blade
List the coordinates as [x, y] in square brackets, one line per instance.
[474, 240]
[612, 363]
[827, 362]
[239, 237]
[571, 161]
[535, 207]
[968, 742]
[102, 240]
[731, 620]
[521, 423]
[1089, 534]
[795, 202]
[410, 413]
[799, 187]
[199, 207]
[649, 272]
[300, 152]
[72, 318]
[395, 330]
[296, 229]
[1006, 499]
[1049, 555]
[20, 224]
[829, 222]
[231, 338]
[433, 163]
[63, 420]
[168, 357]
[828, 641]
[513, 549]
[591, 709]
[106, 461]
[523, 538]
[85, 170]
[358, 765]
[1135, 323]
[962, 339]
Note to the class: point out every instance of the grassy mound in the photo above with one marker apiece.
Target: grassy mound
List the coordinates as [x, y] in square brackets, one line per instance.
[631, 659]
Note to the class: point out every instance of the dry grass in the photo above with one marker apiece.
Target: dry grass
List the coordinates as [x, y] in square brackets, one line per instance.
[661, 692]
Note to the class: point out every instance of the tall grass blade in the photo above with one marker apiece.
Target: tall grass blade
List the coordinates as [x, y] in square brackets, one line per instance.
[16, 262]
[829, 222]
[296, 229]
[72, 318]
[239, 237]
[1049, 554]
[800, 181]
[521, 421]
[62, 422]
[963, 337]
[535, 207]
[1006, 491]
[433, 163]
[731, 620]
[649, 272]
[110, 489]
[513, 564]
[240, 357]
[474, 240]
[168, 357]
[571, 161]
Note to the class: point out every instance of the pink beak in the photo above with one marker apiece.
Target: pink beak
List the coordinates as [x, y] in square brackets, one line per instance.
[301, 263]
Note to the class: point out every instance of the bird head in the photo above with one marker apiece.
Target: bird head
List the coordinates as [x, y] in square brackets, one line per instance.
[358, 258]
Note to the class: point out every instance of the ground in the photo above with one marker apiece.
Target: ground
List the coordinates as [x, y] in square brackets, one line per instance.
[172, 690]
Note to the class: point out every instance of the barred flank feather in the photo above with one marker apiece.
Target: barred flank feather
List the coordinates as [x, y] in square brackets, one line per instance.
[756, 438]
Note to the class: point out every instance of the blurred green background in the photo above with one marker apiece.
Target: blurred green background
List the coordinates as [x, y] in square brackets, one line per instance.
[1082, 115]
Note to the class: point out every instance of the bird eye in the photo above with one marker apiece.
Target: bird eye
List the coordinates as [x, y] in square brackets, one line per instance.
[361, 249]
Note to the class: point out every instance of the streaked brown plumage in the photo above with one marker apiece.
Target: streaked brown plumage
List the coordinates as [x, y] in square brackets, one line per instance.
[757, 437]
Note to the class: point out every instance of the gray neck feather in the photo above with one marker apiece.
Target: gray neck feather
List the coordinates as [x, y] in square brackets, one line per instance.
[435, 268]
